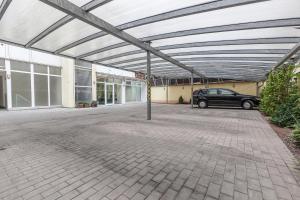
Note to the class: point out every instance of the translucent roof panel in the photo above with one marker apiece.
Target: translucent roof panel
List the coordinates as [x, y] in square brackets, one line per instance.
[119, 12]
[25, 19]
[231, 35]
[92, 45]
[231, 47]
[66, 34]
[269, 10]
[112, 52]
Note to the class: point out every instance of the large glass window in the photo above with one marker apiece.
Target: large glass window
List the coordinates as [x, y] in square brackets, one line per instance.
[133, 92]
[21, 89]
[2, 64]
[100, 93]
[109, 93]
[19, 66]
[41, 90]
[83, 85]
[43, 69]
[55, 91]
[118, 94]
[54, 70]
[83, 94]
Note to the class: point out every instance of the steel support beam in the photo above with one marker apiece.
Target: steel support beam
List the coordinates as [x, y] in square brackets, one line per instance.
[88, 7]
[279, 40]
[77, 12]
[148, 86]
[293, 51]
[200, 8]
[192, 89]
[216, 29]
[211, 52]
[3, 7]
[143, 64]
[274, 59]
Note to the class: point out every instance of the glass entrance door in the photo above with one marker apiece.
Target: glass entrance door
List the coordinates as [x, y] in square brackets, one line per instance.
[100, 93]
[109, 94]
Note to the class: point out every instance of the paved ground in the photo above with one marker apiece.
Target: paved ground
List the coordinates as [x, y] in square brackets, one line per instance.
[113, 153]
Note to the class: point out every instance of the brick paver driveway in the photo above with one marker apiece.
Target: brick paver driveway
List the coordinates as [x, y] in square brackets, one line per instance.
[114, 153]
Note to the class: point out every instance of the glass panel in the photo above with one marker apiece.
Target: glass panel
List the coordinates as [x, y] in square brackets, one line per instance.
[118, 81]
[2, 63]
[109, 94]
[226, 92]
[212, 91]
[110, 80]
[83, 94]
[20, 89]
[138, 93]
[20, 66]
[100, 79]
[100, 93]
[83, 77]
[118, 94]
[55, 70]
[55, 91]
[41, 90]
[40, 69]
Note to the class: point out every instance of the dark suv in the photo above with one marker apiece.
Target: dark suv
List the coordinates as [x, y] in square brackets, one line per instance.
[223, 97]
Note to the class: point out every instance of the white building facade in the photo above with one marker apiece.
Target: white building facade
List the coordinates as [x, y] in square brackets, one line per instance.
[32, 79]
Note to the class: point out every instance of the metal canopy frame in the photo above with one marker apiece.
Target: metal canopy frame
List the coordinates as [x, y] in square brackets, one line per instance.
[201, 44]
[201, 8]
[232, 27]
[242, 51]
[77, 12]
[4, 5]
[187, 59]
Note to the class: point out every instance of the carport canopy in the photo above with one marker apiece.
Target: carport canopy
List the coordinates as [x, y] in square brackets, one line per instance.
[228, 39]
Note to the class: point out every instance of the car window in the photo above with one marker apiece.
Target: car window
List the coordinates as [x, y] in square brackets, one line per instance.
[226, 92]
[213, 91]
[203, 91]
[195, 92]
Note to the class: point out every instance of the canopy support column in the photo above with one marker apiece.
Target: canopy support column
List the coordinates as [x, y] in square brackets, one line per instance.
[148, 85]
[192, 89]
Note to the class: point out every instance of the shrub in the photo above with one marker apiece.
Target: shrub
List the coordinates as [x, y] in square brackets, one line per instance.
[296, 133]
[279, 86]
[180, 100]
[288, 112]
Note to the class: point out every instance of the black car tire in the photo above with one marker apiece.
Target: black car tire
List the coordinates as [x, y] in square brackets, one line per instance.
[202, 104]
[247, 105]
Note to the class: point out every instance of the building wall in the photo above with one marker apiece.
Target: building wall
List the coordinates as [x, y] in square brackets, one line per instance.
[68, 82]
[159, 94]
[2, 104]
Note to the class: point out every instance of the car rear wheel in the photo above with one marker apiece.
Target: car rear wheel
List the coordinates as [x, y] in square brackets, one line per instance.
[202, 104]
[247, 105]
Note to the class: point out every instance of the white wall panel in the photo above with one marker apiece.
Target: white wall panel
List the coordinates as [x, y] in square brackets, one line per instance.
[113, 71]
[44, 58]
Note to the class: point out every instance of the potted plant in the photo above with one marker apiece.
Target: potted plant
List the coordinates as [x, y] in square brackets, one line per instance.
[180, 100]
[94, 104]
[80, 105]
[86, 105]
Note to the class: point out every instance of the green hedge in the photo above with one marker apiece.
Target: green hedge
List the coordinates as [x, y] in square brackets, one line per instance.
[280, 97]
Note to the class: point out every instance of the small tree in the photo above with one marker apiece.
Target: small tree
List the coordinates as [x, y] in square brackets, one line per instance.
[279, 86]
